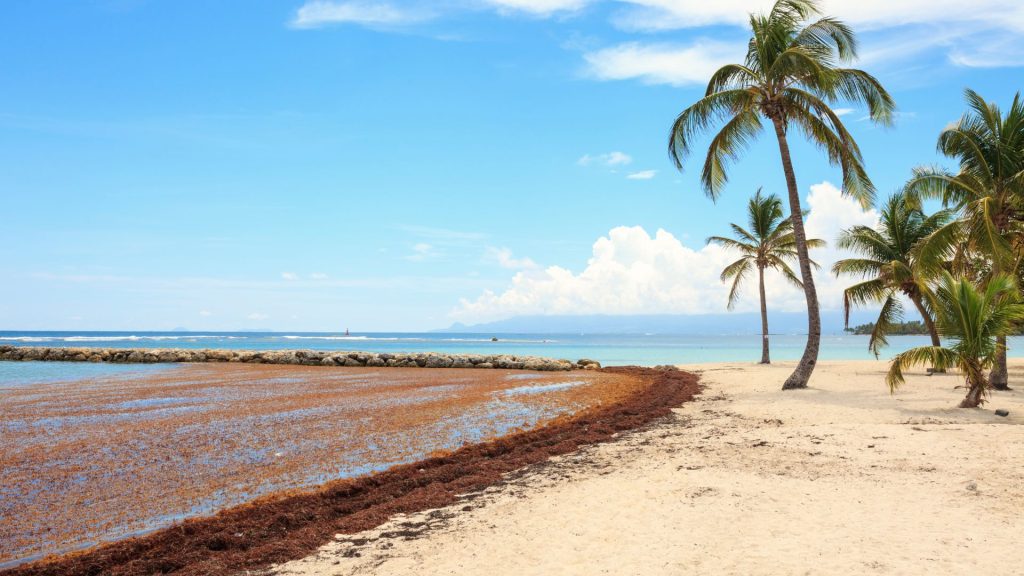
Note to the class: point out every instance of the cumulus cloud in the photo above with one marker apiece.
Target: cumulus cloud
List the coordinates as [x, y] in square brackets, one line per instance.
[642, 175]
[504, 258]
[612, 159]
[662, 63]
[317, 13]
[633, 272]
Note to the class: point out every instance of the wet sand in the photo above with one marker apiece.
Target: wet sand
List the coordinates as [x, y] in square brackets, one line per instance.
[842, 478]
[98, 459]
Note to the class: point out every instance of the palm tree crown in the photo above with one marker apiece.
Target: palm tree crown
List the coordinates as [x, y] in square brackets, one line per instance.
[887, 262]
[988, 189]
[769, 243]
[791, 75]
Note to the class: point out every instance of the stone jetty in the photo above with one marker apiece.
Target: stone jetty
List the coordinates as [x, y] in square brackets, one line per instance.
[295, 357]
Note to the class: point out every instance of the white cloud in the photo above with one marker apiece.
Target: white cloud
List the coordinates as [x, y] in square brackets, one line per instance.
[662, 63]
[538, 7]
[632, 272]
[289, 276]
[843, 111]
[441, 234]
[421, 251]
[257, 316]
[980, 33]
[504, 258]
[650, 15]
[614, 158]
[1000, 51]
[642, 175]
[205, 313]
[316, 13]
[318, 276]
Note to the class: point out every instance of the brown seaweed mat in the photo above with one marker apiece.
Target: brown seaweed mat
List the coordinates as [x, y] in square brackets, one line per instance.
[277, 529]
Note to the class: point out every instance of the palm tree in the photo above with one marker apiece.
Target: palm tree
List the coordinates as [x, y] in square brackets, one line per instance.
[769, 243]
[973, 319]
[887, 263]
[988, 190]
[790, 77]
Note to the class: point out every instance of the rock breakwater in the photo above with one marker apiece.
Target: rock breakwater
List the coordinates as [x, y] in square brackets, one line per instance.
[293, 357]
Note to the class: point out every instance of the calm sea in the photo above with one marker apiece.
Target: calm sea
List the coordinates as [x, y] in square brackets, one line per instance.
[610, 349]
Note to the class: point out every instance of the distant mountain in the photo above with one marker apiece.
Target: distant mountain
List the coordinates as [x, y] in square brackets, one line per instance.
[734, 323]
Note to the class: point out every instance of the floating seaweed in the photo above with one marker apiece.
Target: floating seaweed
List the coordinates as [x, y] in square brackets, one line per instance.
[104, 458]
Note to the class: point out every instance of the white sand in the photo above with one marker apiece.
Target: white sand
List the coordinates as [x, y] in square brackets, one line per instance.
[839, 479]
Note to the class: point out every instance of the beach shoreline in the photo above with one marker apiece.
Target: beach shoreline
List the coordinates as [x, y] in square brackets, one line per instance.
[839, 478]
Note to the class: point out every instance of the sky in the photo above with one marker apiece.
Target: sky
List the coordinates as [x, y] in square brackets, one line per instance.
[380, 166]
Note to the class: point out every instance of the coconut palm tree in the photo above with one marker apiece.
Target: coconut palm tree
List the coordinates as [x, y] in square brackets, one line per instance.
[973, 319]
[769, 243]
[791, 76]
[887, 263]
[988, 190]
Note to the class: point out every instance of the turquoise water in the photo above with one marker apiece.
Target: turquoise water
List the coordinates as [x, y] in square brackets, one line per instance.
[610, 349]
[27, 373]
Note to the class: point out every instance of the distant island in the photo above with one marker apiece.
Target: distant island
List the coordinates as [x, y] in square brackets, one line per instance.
[898, 329]
[914, 327]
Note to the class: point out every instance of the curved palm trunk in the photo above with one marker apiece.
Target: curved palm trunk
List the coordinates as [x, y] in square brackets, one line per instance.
[765, 359]
[1000, 377]
[927, 319]
[975, 388]
[803, 371]
[928, 323]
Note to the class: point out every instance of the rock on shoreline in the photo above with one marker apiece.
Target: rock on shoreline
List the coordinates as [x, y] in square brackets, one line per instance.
[295, 357]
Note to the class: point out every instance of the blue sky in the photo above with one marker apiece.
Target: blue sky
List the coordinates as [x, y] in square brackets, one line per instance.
[400, 166]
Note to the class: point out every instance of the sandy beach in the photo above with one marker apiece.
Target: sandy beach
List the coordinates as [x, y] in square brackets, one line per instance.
[840, 478]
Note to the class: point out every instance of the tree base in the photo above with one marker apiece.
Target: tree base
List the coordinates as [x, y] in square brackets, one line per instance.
[1001, 387]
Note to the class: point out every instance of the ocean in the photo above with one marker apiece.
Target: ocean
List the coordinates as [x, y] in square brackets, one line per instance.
[609, 349]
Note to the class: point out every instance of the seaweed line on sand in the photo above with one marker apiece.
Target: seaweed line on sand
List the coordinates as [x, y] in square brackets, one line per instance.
[272, 530]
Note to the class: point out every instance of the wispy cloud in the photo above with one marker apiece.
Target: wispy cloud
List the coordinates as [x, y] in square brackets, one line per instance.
[655, 15]
[542, 8]
[678, 65]
[257, 316]
[422, 251]
[441, 234]
[504, 258]
[289, 276]
[317, 13]
[318, 276]
[205, 313]
[980, 33]
[642, 175]
[612, 159]
[843, 111]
